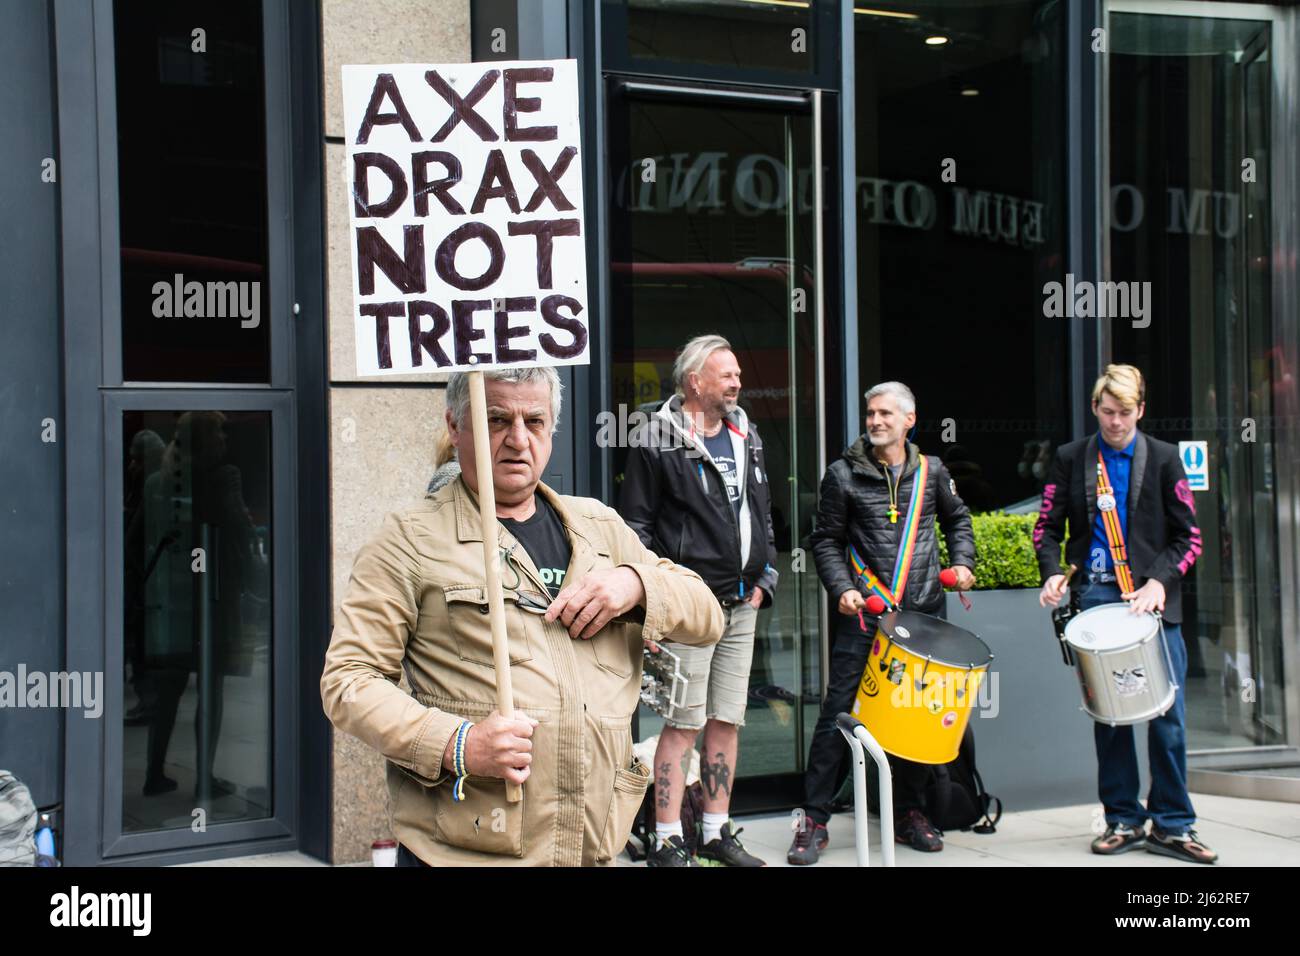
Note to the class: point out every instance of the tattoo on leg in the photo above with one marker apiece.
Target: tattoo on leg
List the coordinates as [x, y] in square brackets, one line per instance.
[686, 763]
[716, 775]
[663, 786]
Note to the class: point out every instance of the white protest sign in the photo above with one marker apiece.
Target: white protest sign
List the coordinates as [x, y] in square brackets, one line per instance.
[464, 183]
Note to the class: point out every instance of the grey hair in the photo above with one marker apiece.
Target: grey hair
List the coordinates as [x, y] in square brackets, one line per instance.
[691, 359]
[458, 389]
[901, 393]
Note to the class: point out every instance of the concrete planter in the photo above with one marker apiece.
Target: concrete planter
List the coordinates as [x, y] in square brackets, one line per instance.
[1034, 744]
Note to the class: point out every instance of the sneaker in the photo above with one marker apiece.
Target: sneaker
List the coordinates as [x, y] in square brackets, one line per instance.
[1180, 846]
[915, 830]
[728, 850]
[809, 841]
[1119, 838]
[670, 852]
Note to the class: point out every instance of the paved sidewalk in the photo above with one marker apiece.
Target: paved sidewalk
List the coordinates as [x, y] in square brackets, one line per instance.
[1244, 832]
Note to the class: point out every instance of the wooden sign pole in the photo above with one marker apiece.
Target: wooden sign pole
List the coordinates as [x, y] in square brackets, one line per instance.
[487, 509]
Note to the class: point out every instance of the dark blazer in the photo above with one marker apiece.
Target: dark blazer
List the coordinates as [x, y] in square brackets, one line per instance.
[1163, 540]
[851, 510]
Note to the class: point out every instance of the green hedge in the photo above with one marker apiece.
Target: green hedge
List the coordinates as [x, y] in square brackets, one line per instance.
[1004, 551]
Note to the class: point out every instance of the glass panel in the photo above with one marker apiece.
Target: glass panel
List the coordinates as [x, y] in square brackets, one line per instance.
[197, 702]
[192, 191]
[494, 29]
[961, 221]
[720, 239]
[748, 34]
[1190, 101]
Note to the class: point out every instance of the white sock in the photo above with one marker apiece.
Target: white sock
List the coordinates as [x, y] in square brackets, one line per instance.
[713, 826]
[665, 830]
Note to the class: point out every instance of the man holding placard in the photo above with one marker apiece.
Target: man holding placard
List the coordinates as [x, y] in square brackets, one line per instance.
[495, 583]
[581, 593]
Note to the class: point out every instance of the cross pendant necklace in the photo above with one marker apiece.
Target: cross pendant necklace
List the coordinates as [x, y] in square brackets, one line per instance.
[893, 515]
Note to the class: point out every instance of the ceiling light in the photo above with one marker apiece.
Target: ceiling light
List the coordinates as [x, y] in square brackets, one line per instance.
[868, 12]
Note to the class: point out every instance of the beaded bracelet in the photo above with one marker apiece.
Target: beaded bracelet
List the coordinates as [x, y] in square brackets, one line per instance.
[458, 761]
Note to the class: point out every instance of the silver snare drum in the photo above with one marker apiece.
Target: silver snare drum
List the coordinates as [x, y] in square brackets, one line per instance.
[1123, 664]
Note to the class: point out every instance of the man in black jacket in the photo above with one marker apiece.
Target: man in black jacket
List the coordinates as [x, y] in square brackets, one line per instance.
[695, 489]
[861, 506]
[1149, 493]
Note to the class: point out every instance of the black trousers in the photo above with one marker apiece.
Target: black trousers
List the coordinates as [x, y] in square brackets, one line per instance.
[828, 755]
[406, 858]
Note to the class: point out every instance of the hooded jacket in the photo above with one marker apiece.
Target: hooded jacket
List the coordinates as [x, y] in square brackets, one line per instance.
[675, 499]
[853, 509]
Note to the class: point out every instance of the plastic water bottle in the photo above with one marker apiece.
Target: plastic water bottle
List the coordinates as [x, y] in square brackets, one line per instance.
[45, 844]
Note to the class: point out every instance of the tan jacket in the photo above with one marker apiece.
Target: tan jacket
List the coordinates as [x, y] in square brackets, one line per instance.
[417, 601]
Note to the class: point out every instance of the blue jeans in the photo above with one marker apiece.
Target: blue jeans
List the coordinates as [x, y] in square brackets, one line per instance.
[1168, 805]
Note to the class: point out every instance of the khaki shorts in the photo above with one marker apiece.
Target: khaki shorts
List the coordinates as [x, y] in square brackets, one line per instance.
[718, 676]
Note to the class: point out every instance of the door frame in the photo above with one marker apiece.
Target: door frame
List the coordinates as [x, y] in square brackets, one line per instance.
[94, 390]
[1204, 771]
[283, 820]
[768, 791]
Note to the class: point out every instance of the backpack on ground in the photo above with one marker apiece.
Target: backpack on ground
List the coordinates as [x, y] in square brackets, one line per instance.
[956, 799]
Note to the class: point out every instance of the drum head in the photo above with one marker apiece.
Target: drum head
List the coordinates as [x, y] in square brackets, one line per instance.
[1109, 627]
[927, 636]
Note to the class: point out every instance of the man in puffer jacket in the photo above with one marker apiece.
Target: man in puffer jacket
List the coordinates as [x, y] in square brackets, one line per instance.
[862, 505]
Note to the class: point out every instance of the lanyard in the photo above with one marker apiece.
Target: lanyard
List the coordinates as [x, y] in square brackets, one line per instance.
[1106, 504]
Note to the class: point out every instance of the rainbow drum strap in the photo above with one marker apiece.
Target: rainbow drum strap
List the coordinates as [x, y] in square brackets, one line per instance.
[893, 597]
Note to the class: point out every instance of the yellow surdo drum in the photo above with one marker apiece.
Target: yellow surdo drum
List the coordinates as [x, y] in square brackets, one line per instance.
[921, 679]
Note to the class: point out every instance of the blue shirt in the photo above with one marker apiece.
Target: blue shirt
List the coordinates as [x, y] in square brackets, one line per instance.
[1119, 465]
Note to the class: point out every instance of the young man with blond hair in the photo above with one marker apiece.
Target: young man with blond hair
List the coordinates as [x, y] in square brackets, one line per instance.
[1141, 480]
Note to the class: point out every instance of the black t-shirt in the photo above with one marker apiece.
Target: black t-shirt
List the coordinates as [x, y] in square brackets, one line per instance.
[724, 457]
[543, 538]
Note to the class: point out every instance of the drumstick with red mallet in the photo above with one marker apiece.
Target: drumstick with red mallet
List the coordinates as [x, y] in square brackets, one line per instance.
[875, 607]
[948, 578]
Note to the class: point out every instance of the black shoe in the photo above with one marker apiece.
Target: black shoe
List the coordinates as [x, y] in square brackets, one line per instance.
[1119, 838]
[160, 784]
[670, 852]
[768, 692]
[219, 787]
[915, 830]
[809, 840]
[1180, 846]
[138, 716]
[728, 850]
